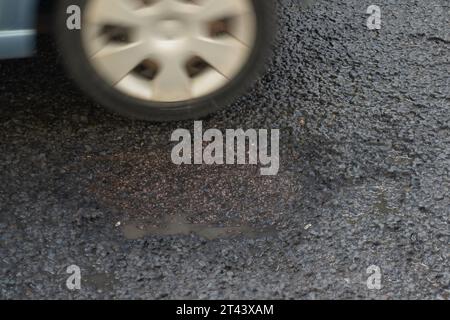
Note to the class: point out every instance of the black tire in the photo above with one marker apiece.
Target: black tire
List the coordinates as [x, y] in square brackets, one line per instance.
[70, 45]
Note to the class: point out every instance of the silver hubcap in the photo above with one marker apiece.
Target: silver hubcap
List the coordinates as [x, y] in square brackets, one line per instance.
[169, 50]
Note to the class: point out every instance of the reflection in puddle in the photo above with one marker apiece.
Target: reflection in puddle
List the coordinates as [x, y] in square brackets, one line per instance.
[99, 281]
[180, 226]
[382, 205]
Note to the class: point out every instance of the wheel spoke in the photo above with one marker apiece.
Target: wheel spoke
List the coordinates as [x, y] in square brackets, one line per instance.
[244, 29]
[219, 9]
[93, 36]
[172, 83]
[155, 10]
[222, 54]
[119, 60]
[112, 12]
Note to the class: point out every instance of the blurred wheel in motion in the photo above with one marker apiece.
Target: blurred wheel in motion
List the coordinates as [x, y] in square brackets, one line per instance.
[166, 59]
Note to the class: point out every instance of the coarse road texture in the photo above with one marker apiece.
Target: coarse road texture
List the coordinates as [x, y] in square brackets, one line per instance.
[364, 179]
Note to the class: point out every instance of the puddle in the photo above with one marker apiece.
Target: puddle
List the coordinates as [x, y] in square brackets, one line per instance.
[150, 195]
[382, 204]
[178, 225]
[99, 281]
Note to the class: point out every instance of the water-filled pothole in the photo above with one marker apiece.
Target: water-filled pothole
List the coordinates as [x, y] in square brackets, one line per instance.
[152, 196]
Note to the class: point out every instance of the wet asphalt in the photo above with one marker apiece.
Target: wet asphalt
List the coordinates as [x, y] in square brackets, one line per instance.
[364, 178]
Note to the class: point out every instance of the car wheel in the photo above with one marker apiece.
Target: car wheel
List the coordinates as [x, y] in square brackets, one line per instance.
[165, 60]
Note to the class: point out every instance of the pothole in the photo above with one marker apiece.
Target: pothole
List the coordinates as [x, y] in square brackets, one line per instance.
[152, 196]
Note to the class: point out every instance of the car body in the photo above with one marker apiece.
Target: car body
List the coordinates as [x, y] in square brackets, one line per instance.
[18, 20]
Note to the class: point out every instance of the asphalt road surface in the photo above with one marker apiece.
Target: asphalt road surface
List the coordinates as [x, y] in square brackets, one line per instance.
[364, 179]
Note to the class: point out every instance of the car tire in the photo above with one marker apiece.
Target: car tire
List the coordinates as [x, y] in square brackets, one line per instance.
[92, 82]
